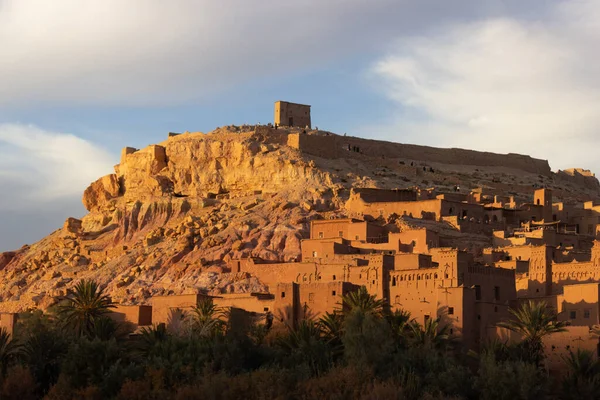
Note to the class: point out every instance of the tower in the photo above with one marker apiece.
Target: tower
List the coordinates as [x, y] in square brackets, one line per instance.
[291, 114]
[543, 197]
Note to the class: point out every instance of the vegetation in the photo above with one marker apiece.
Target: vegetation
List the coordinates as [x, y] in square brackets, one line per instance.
[362, 350]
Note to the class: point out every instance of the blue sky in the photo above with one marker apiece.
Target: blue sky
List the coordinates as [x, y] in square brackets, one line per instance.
[81, 80]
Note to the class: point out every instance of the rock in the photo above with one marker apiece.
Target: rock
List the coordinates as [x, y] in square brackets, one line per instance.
[99, 193]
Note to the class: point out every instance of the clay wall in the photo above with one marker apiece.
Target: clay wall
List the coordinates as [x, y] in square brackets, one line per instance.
[369, 195]
[564, 274]
[425, 209]
[294, 302]
[416, 240]
[579, 304]
[164, 306]
[135, 315]
[347, 229]
[316, 145]
[558, 345]
[410, 261]
[254, 303]
[272, 274]
[8, 322]
[319, 249]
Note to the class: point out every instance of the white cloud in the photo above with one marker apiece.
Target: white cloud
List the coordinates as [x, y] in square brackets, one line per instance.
[38, 166]
[156, 52]
[502, 85]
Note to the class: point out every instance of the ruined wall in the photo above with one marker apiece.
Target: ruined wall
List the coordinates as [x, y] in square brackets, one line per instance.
[334, 146]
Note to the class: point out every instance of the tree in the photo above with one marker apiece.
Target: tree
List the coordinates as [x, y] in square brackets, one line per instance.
[533, 321]
[8, 350]
[83, 307]
[362, 300]
[582, 380]
[331, 326]
[400, 323]
[207, 319]
[304, 344]
[431, 335]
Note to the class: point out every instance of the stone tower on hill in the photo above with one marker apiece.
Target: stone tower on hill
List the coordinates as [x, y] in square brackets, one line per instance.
[291, 114]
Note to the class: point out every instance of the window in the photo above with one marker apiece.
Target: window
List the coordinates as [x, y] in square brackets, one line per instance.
[496, 293]
[394, 281]
[334, 277]
[320, 235]
[356, 237]
[314, 253]
[341, 233]
[266, 309]
[573, 314]
[450, 310]
[477, 292]
[333, 292]
[282, 295]
[586, 313]
[495, 308]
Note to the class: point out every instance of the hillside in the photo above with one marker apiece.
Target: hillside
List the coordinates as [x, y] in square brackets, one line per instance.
[173, 214]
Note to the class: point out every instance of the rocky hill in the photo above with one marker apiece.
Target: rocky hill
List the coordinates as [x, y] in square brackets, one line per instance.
[173, 214]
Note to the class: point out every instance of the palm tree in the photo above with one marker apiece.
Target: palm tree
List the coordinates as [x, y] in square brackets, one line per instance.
[362, 300]
[533, 321]
[8, 350]
[430, 335]
[304, 343]
[331, 326]
[206, 319]
[583, 377]
[83, 307]
[400, 323]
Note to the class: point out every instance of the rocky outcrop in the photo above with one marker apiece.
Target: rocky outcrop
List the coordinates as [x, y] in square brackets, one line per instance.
[101, 192]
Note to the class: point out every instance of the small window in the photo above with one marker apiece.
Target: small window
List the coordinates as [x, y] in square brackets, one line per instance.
[282, 295]
[450, 310]
[356, 237]
[266, 309]
[477, 292]
[320, 235]
[341, 233]
[496, 293]
[478, 317]
[586, 313]
[314, 253]
[573, 314]
[394, 281]
[333, 292]
[334, 277]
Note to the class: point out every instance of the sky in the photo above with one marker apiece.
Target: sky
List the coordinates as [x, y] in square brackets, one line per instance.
[79, 80]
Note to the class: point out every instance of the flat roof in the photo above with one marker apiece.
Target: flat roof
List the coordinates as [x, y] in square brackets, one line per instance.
[290, 102]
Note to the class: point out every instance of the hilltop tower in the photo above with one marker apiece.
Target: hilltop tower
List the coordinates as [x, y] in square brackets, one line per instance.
[291, 114]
